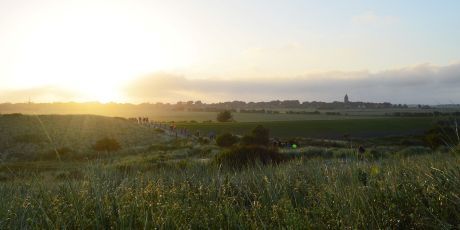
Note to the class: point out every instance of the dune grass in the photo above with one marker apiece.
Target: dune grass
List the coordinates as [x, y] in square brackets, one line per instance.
[414, 192]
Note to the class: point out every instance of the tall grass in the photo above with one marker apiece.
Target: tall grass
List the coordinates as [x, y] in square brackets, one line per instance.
[414, 192]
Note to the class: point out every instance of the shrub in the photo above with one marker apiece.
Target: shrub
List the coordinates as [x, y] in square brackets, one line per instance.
[224, 116]
[226, 140]
[107, 144]
[241, 156]
[258, 136]
[443, 133]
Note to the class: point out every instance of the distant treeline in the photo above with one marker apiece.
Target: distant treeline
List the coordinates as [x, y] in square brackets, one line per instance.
[196, 106]
[277, 104]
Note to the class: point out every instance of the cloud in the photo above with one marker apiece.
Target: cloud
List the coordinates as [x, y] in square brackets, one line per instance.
[371, 18]
[417, 84]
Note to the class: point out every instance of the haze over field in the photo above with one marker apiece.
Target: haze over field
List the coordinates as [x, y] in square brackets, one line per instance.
[138, 51]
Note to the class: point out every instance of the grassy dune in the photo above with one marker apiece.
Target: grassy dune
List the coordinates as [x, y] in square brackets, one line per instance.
[23, 136]
[420, 192]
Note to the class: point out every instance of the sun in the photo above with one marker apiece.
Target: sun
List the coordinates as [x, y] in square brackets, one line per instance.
[95, 55]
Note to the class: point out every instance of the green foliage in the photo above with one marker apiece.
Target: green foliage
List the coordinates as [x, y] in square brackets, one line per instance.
[248, 155]
[226, 140]
[224, 116]
[443, 133]
[107, 144]
[259, 136]
[415, 193]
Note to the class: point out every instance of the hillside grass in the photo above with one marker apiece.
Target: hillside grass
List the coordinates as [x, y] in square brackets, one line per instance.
[415, 192]
[24, 137]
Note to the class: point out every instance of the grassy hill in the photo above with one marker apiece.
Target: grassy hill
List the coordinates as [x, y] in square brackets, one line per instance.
[29, 136]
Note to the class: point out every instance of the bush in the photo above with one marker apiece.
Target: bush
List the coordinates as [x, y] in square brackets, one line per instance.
[258, 136]
[226, 140]
[107, 144]
[241, 156]
[443, 133]
[224, 116]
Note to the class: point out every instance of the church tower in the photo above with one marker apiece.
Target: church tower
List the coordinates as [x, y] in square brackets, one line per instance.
[345, 99]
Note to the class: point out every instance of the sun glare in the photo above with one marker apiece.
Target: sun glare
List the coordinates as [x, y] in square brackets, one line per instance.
[96, 54]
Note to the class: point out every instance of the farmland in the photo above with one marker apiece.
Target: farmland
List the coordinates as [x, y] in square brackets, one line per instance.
[376, 127]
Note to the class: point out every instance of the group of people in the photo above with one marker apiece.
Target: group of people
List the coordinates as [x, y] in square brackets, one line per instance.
[284, 144]
[140, 120]
[173, 130]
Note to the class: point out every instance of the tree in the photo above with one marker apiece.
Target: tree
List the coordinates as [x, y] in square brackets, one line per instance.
[226, 140]
[224, 116]
[107, 144]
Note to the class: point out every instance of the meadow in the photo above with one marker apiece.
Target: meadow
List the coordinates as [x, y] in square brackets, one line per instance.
[159, 181]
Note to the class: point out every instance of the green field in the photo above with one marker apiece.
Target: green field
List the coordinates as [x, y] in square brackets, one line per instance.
[241, 117]
[377, 127]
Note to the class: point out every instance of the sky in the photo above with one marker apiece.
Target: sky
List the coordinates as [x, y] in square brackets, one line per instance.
[147, 51]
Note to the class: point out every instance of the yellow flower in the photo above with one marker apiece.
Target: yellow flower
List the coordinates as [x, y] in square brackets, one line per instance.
[375, 170]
